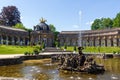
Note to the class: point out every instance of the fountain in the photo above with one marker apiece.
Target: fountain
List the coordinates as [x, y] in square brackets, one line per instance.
[80, 38]
[78, 62]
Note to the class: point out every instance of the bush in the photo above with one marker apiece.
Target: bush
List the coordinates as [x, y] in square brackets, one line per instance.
[36, 52]
[114, 52]
[43, 45]
[32, 53]
[118, 52]
[26, 53]
[75, 48]
[65, 46]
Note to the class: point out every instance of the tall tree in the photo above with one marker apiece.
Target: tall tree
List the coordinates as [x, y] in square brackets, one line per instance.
[29, 35]
[106, 23]
[116, 21]
[19, 26]
[103, 23]
[52, 28]
[9, 16]
[96, 24]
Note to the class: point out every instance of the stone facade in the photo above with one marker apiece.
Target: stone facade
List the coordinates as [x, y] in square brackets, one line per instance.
[40, 34]
[13, 36]
[107, 37]
[40, 37]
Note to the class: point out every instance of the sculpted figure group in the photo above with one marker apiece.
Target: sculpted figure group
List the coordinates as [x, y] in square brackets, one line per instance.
[78, 62]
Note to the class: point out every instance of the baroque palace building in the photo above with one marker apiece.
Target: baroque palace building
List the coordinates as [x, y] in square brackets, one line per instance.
[43, 34]
[106, 37]
[13, 36]
[40, 34]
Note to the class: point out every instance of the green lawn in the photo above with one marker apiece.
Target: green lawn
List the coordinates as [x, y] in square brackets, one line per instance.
[102, 49]
[7, 49]
[97, 49]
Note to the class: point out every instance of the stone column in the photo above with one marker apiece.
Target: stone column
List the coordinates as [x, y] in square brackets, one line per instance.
[115, 41]
[112, 42]
[31, 40]
[109, 41]
[94, 41]
[13, 41]
[28, 42]
[24, 41]
[103, 41]
[83, 43]
[91, 42]
[62, 41]
[18, 41]
[88, 42]
[21, 42]
[1, 39]
[119, 41]
[7, 40]
[97, 42]
[70, 41]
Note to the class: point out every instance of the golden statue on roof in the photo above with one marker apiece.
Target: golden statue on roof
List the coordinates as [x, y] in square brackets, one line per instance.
[42, 20]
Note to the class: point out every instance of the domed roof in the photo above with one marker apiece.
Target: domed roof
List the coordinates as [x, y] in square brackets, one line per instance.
[42, 26]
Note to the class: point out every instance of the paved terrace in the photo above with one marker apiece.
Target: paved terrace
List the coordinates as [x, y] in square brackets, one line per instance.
[10, 55]
[3, 56]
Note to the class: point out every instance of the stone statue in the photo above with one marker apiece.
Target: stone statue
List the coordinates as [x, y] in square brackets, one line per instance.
[42, 20]
[79, 62]
[81, 56]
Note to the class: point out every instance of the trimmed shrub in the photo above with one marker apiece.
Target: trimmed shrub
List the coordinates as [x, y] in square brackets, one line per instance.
[114, 52]
[118, 52]
[36, 52]
[26, 53]
[75, 48]
[65, 46]
[43, 45]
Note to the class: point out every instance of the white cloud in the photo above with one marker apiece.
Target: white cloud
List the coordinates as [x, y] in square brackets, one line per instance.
[75, 26]
[89, 23]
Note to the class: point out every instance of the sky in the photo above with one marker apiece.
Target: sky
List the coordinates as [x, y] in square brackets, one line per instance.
[65, 15]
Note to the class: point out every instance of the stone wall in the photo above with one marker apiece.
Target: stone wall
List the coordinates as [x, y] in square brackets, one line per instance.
[10, 61]
[18, 60]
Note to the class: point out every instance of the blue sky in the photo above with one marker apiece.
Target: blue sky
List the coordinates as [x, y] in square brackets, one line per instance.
[65, 15]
